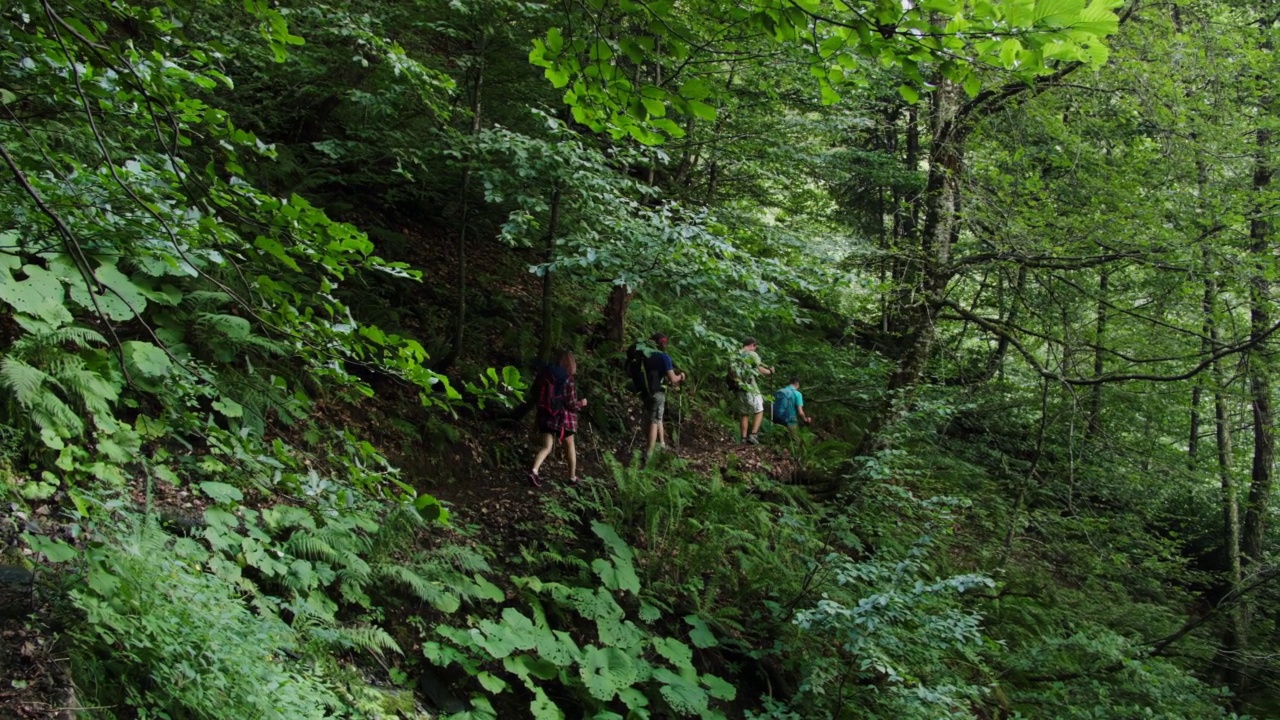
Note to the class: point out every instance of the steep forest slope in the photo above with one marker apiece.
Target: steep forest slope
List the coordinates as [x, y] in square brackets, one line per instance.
[276, 280]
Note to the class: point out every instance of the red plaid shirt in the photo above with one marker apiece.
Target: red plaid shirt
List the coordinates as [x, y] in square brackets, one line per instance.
[565, 421]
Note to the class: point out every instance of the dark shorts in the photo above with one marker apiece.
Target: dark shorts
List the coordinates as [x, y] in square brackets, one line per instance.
[552, 429]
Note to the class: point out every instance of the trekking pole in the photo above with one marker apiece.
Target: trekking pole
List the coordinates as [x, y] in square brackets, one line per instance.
[679, 415]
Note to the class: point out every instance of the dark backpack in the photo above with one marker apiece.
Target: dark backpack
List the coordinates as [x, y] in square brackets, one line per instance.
[553, 388]
[731, 379]
[637, 370]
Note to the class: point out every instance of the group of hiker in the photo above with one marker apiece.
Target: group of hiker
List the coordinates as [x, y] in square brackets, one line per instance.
[652, 372]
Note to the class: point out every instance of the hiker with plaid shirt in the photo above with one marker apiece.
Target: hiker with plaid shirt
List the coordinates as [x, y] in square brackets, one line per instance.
[557, 413]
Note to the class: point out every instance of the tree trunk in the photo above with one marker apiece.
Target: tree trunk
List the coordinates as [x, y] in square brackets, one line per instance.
[615, 315]
[930, 273]
[460, 314]
[995, 363]
[553, 228]
[1261, 476]
[1235, 637]
[1193, 435]
[1094, 423]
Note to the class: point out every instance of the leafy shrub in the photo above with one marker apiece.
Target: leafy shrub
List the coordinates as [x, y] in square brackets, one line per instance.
[170, 640]
[904, 640]
[581, 640]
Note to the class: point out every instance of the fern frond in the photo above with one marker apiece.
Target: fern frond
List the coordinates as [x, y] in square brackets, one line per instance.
[76, 335]
[344, 539]
[369, 638]
[49, 411]
[306, 545]
[271, 347]
[421, 587]
[463, 558]
[61, 362]
[95, 391]
[205, 299]
[25, 381]
[355, 569]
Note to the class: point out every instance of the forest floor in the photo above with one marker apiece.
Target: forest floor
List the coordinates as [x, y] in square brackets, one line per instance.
[33, 678]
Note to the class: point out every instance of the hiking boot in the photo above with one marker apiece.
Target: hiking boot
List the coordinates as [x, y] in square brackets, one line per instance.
[574, 480]
[535, 480]
[753, 439]
[743, 440]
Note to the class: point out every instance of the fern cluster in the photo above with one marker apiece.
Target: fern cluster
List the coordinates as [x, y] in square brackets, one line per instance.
[54, 376]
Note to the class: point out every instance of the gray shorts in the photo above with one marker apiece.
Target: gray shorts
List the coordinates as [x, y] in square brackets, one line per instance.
[655, 406]
[750, 403]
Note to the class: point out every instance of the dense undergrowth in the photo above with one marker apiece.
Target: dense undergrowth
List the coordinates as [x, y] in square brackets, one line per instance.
[272, 277]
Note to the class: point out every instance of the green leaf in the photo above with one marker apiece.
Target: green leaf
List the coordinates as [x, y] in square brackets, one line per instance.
[222, 493]
[481, 709]
[1098, 18]
[1009, 52]
[909, 94]
[829, 94]
[606, 671]
[484, 589]
[695, 89]
[492, 683]
[526, 665]
[430, 508]
[40, 294]
[832, 45]
[684, 696]
[145, 359]
[542, 708]
[633, 698]
[718, 688]
[655, 108]
[675, 652]
[1057, 13]
[228, 407]
[55, 551]
[668, 127]
[700, 635]
[122, 291]
[702, 110]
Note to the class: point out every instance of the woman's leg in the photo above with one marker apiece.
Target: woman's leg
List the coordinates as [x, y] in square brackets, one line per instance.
[573, 456]
[548, 441]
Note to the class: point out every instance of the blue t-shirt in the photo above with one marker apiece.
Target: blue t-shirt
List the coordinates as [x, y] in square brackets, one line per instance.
[657, 365]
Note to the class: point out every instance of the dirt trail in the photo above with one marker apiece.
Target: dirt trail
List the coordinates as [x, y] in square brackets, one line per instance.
[504, 505]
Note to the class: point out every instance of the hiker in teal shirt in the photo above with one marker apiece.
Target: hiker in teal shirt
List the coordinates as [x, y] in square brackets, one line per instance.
[788, 406]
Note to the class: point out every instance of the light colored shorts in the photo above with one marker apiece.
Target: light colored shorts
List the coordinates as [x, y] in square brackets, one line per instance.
[750, 403]
[656, 406]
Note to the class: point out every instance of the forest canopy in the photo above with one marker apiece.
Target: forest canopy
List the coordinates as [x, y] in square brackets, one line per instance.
[287, 288]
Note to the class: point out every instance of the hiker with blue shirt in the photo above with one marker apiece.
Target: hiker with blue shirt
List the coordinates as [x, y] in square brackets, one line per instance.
[788, 406]
[652, 372]
[556, 394]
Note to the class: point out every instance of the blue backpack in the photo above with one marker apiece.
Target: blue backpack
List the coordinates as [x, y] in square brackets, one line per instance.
[784, 406]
